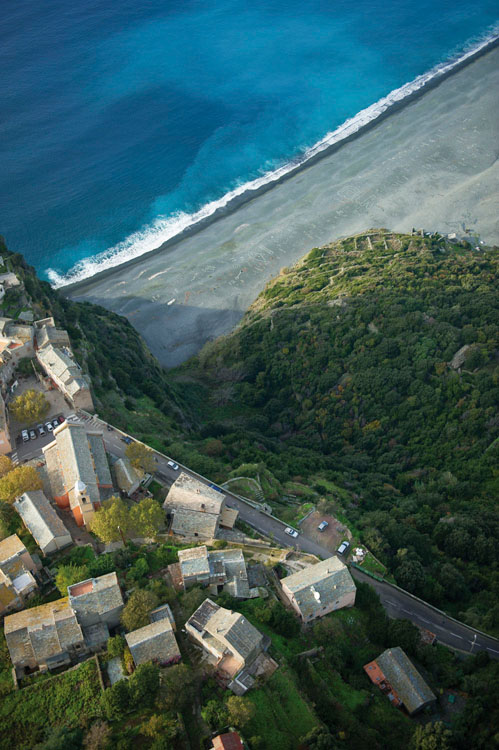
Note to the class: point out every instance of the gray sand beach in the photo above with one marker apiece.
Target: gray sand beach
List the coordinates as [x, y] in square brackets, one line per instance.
[432, 164]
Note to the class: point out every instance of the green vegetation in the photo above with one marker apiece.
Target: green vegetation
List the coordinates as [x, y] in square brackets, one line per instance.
[29, 407]
[340, 378]
[115, 519]
[20, 479]
[68, 700]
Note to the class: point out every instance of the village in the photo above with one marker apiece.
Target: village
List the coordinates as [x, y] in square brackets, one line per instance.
[82, 503]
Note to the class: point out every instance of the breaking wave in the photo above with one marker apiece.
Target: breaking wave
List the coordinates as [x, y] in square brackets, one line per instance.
[165, 228]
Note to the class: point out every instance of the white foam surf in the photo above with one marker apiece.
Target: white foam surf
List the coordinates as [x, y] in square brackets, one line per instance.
[164, 228]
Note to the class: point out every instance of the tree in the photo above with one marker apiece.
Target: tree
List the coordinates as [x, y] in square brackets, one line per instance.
[147, 518]
[19, 480]
[141, 457]
[319, 738]
[112, 517]
[240, 711]
[431, 737]
[61, 738]
[143, 685]
[161, 727]
[6, 465]
[69, 574]
[115, 701]
[116, 646]
[136, 611]
[404, 634]
[179, 683]
[30, 406]
[214, 713]
[98, 736]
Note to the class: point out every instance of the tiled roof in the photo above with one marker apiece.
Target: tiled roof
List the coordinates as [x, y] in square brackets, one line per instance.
[126, 475]
[153, 642]
[42, 632]
[404, 679]
[96, 596]
[231, 629]
[187, 492]
[11, 546]
[228, 741]
[40, 518]
[58, 363]
[194, 561]
[316, 586]
[75, 457]
[162, 612]
[191, 522]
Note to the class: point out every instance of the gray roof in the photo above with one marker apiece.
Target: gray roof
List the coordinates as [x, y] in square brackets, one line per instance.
[231, 629]
[162, 612]
[318, 585]
[194, 561]
[188, 522]
[187, 492]
[226, 563]
[76, 456]
[40, 518]
[127, 475]
[404, 679]
[97, 595]
[154, 642]
[42, 632]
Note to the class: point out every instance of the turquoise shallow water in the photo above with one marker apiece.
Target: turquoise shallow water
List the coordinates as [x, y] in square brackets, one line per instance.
[121, 120]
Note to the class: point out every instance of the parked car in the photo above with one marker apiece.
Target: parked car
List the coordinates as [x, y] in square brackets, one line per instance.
[127, 440]
[343, 548]
[173, 465]
[32, 435]
[25, 436]
[214, 487]
[323, 525]
[41, 430]
[48, 426]
[55, 423]
[61, 419]
[291, 532]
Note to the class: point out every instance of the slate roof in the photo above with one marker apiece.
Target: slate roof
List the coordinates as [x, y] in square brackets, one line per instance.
[404, 679]
[96, 595]
[189, 492]
[187, 522]
[228, 564]
[162, 612]
[230, 629]
[48, 334]
[42, 632]
[77, 456]
[11, 546]
[194, 561]
[317, 586]
[154, 642]
[127, 475]
[58, 363]
[40, 518]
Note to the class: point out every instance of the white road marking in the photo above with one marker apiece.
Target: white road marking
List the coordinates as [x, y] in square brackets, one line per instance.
[456, 635]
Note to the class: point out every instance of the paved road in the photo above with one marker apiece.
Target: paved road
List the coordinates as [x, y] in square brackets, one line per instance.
[397, 603]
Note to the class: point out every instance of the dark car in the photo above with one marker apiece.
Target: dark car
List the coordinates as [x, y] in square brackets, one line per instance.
[127, 440]
[55, 423]
[32, 435]
[61, 419]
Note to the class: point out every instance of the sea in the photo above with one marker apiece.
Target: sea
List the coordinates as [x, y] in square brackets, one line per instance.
[123, 123]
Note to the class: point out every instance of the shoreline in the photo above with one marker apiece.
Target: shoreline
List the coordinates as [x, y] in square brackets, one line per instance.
[302, 163]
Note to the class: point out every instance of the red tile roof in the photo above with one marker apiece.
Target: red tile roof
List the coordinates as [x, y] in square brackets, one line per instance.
[228, 741]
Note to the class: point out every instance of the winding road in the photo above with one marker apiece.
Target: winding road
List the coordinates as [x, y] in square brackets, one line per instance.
[397, 603]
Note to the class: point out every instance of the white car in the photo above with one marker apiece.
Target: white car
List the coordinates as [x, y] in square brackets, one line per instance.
[48, 426]
[173, 465]
[291, 532]
[25, 436]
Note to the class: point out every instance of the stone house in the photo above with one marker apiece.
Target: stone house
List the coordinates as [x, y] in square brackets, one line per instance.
[155, 642]
[42, 522]
[67, 375]
[220, 570]
[45, 637]
[197, 510]
[319, 589]
[235, 645]
[78, 470]
[17, 575]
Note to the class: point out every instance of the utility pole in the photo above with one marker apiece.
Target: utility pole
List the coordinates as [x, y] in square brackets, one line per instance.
[474, 641]
[122, 535]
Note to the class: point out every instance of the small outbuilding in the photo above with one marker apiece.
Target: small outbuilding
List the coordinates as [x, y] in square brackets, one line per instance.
[398, 678]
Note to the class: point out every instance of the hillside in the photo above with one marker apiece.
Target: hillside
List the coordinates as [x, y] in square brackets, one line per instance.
[350, 366]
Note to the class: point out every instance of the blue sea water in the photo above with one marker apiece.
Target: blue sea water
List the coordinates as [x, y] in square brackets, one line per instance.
[121, 120]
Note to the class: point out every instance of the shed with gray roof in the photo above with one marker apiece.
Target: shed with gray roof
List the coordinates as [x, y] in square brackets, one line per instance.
[397, 676]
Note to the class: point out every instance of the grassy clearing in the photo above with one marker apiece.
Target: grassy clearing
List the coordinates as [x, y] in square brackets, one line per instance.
[71, 699]
[282, 716]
